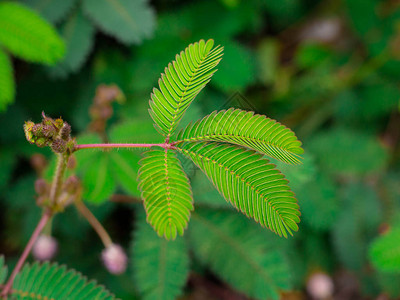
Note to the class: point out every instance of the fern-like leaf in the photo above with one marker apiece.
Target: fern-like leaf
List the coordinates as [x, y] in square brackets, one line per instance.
[249, 182]
[26, 35]
[166, 192]
[7, 84]
[246, 129]
[239, 253]
[160, 267]
[184, 78]
[51, 281]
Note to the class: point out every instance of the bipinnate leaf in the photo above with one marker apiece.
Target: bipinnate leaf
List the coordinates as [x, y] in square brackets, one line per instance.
[249, 182]
[3, 270]
[246, 129]
[7, 84]
[51, 10]
[236, 251]
[26, 35]
[128, 21]
[160, 267]
[166, 192]
[183, 79]
[51, 281]
[384, 251]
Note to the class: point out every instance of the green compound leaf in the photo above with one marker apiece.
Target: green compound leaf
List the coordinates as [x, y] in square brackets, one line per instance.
[184, 78]
[166, 192]
[78, 33]
[246, 129]
[384, 252]
[7, 84]
[52, 10]
[160, 267]
[239, 253]
[249, 182]
[28, 36]
[51, 281]
[3, 270]
[128, 21]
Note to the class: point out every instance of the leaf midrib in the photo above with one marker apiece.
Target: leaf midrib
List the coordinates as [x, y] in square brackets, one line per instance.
[216, 135]
[179, 102]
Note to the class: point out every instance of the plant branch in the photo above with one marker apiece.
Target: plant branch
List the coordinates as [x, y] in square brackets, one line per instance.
[102, 233]
[42, 223]
[106, 146]
[57, 179]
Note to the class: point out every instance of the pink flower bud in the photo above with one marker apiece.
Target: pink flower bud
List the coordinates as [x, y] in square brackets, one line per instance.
[114, 258]
[45, 247]
[320, 286]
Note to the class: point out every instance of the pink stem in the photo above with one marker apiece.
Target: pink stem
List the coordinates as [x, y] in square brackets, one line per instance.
[92, 146]
[42, 223]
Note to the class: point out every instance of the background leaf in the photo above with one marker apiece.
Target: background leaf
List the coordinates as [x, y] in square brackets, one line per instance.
[385, 251]
[7, 84]
[78, 33]
[341, 151]
[237, 69]
[160, 267]
[52, 10]
[3, 270]
[128, 21]
[222, 239]
[20, 27]
[97, 178]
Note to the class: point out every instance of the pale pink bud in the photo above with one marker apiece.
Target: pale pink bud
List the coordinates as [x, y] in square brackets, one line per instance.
[114, 258]
[45, 247]
[320, 286]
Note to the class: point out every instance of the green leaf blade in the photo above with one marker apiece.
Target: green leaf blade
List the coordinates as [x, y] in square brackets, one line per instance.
[40, 281]
[28, 36]
[53, 10]
[3, 270]
[246, 129]
[128, 21]
[7, 84]
[183, 79]
[249, 182]
[98, 180]
[166, 192]
[78, 33]
[384, 252]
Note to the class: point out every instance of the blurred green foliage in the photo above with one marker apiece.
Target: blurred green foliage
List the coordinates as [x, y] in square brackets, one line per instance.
[327, 69]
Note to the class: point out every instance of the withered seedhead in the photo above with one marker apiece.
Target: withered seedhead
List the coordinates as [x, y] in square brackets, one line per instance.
[50, 132]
